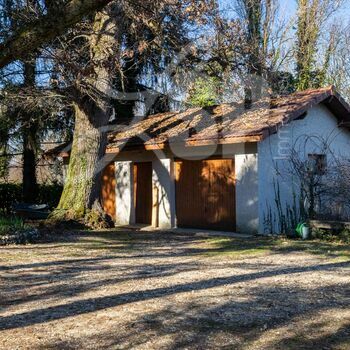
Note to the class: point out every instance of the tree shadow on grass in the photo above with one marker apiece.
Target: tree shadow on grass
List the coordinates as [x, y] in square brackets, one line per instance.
[61, 278]
[239, 323]
[72, 287]
[339, 339]
[80, 307]
[228, 246]
[217, 245]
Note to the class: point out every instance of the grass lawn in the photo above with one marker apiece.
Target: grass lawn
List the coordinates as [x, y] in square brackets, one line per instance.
[131, 290]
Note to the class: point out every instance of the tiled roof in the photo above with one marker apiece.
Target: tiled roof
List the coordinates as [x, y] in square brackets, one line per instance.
[226, 123]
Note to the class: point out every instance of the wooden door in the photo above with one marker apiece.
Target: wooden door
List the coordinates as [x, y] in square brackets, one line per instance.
[205, 194]
[108, 190]
[143, 192]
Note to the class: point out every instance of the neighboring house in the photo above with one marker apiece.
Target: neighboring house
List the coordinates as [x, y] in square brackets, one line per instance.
[47, 170]
[221, 168]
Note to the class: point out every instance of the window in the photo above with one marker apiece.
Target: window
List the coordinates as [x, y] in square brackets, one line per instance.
[317, 164]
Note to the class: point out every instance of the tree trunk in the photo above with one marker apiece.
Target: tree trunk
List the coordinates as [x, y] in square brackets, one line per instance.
[253, 89]
[307, 34]
[83, 183]
[30, 187]
[30, 135]
[4, 159]
[82, 187]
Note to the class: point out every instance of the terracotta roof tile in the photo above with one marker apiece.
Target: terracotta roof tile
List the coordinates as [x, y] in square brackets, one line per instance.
[226, 123]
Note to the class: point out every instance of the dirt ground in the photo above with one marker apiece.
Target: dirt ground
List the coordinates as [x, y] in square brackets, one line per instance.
[130, 290]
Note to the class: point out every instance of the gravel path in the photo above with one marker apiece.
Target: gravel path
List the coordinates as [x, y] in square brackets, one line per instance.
[118, 290]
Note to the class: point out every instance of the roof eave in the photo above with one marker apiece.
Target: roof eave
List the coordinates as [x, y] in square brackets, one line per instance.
[188, 143]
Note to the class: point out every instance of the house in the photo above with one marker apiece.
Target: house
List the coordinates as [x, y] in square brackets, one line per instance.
[47, 171]
[220, 167]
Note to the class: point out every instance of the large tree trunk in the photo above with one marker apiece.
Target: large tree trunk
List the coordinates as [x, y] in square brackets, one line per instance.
[82, 188]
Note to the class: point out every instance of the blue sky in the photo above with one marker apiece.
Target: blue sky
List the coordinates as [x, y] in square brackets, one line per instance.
[288, 8]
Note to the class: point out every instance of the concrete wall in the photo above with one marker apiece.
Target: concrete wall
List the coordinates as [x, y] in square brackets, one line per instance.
[125, 211]
[164, 193]
[247, 209]
[274, 162]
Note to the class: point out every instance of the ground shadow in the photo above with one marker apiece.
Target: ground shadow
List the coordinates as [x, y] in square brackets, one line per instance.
[144, 257]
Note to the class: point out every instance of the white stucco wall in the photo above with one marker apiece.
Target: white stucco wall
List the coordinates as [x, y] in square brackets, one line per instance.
[125, 211]
[247, 209]
[273, 155]
[164, 184]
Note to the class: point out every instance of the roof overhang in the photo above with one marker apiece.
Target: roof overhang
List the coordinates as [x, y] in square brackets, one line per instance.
[187, 143]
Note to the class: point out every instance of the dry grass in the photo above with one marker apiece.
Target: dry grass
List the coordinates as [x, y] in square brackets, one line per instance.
[120, 290]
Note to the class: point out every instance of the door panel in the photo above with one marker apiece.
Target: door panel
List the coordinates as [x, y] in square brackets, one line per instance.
[143, 192]
[108, 190]
[205, 194]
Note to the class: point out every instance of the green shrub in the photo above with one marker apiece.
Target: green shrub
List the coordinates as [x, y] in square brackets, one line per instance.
[11, 224]
[14, 231]
[344, 236]
[204, 93]
[331, 236]
[11, 194]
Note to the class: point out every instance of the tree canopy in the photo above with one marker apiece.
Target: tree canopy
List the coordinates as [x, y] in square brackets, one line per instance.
[33, 35]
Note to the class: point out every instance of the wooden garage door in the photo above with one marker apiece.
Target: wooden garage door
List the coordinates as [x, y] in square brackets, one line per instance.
[143, 192]
[205, 194]
[108, 190]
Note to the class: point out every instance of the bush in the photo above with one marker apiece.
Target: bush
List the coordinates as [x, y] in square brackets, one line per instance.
[331, 236]
[9, 225]
[345, 236]
[204, 93]
[14, 231]
[11, 194]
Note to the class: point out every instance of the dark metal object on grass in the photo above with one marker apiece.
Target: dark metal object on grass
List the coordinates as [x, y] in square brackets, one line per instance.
[32, 211]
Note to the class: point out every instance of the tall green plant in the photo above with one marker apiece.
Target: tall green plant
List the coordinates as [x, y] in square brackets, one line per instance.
[204, 93]
[283, 217]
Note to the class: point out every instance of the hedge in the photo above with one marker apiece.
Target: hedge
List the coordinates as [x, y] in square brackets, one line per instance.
[11, 194]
